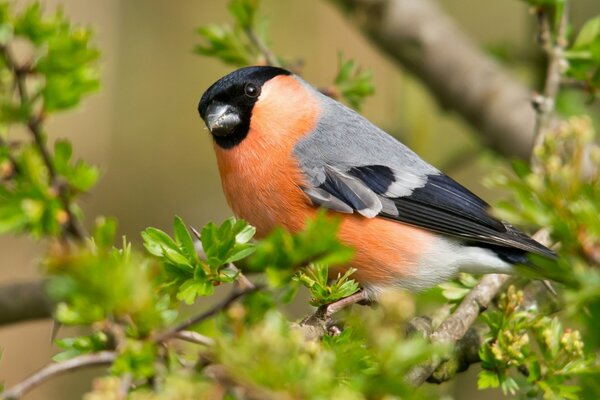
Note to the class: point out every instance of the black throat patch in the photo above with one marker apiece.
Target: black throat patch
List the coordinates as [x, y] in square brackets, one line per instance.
[230, 90]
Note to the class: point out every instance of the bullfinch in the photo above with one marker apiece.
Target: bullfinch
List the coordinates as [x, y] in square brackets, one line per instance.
[284, 150]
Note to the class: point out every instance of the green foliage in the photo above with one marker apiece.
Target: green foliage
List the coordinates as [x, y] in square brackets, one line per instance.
[353, 84]
[316, 279]
[27, 202]
[560, 193]
[61, 54]
[232, 44]
[369, 360]
[548, 356]
[38, 186]
[584, 56]
[129, 301]
[454, 291]
[79, 345]
[94, 284]
[185, 272]
[80, 176]
[243, 44]
[137, 358]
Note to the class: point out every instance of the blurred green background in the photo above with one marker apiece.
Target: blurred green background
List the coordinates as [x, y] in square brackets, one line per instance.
[155, 154]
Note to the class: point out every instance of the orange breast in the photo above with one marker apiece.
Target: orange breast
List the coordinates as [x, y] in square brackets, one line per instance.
[260, 177]
[261, 180]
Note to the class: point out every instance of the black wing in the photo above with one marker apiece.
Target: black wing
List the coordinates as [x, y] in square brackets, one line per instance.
[440, 204]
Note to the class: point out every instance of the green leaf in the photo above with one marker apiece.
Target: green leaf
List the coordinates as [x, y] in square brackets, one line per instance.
[228, 242]
[158, 242]
[184, 239]
[105, 232]
[191, 289]
[137, 358]
[353, 84]
[79, 345]
[62, 155]
[224, 44]
[487, 379]
[82, 176]
[244, 12]
[589, 34]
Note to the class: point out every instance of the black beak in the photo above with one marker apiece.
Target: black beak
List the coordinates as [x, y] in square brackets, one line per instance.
[221, 119]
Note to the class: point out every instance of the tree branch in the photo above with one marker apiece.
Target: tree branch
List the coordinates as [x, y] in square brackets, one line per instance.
[418, 35]
[223, 305]
[456, 325]
[52, 370]
[554, 48]
[194, 337]
[23, 302]
[319, 323]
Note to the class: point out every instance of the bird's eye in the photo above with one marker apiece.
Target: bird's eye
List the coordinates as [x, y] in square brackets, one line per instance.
[251, 90]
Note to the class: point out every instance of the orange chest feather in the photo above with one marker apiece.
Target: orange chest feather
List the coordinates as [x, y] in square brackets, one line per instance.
[260, 176]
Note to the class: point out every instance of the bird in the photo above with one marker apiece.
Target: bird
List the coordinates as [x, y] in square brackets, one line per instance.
[285, 150]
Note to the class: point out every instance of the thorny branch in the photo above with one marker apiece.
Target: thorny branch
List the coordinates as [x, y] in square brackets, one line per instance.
[52, 370]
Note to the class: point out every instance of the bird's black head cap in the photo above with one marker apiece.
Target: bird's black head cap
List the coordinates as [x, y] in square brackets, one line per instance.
[226, 106]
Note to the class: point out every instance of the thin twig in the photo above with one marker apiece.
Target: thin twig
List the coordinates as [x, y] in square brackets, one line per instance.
[52, 370]
[319, 323]
[223, 305]
[270, 58]
[125, 385]
[194, 337]
[554, 48]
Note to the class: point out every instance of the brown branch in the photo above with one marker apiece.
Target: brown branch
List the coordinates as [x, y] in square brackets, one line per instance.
[456, 325]
[52, 370]
[419, 36]
[23, 302]
[319, 323]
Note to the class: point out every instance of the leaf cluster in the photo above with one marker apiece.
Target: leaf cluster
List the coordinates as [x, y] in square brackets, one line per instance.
[547, 357]
[245, 41]
[584, 56]
[185, 272]
[231, 44]
[353, 84]
[38, 186]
